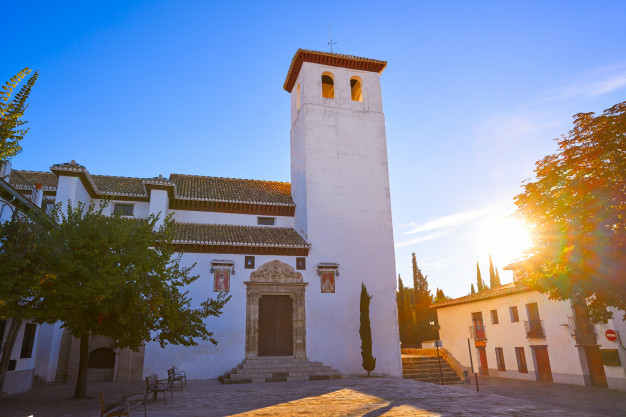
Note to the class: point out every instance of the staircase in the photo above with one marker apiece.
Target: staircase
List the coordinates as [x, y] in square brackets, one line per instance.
[426, 369]
[277, 369]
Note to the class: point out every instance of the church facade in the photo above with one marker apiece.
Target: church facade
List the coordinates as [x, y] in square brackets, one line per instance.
[292, 256]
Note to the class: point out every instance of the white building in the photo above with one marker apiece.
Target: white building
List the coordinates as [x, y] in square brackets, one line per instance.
[292, 256]
[514, 332]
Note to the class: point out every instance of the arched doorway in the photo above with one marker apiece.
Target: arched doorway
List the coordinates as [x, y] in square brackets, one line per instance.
[275, 315]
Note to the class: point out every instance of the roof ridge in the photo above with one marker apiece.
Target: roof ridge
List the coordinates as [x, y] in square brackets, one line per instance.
[229, 178]
[118, 176]
[34, 172]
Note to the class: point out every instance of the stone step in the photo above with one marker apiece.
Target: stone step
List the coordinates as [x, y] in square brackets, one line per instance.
[278, 369]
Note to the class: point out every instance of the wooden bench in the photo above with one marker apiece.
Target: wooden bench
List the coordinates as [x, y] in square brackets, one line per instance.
[129, 402]
[155, 385]
[173, 375]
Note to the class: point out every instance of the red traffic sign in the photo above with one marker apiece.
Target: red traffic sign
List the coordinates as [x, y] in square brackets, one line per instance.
[611, 335]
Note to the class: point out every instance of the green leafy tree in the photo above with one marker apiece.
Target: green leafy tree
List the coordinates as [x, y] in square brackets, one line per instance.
[121, 278]
[479, 279]
[494, 279]
[365, 331]
[11, 126]
[577, 205]
[26, 252]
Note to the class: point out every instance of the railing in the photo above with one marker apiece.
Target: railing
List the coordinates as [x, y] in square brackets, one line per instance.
[534, 329]
[579, 335]
[478, 333]
[571, 325]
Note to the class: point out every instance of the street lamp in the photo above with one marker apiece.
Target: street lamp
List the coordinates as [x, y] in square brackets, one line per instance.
[438, 345]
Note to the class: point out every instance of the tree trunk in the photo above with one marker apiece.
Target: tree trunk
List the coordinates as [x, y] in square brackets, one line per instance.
[16, 322]
[83, 365]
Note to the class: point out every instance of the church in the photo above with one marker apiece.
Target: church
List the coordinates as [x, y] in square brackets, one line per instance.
[292, 256]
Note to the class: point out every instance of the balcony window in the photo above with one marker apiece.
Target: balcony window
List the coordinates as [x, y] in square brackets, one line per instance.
[534, 329]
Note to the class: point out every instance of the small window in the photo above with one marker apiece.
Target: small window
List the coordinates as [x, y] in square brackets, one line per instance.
[514, 314]
[249, 262]
[610, 357]
[298, 98]
[28, 340]
[355, 89]
[500, 359]
[328, 85]
[12, 364]
[494, 316]
[266, 221]
[123, 209]
[300, 264]
[521, 360]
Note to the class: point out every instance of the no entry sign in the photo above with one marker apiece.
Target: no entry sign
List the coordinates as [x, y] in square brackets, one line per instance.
[611, 335]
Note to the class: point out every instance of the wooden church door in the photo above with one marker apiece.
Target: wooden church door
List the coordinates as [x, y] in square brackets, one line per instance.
[275, 326]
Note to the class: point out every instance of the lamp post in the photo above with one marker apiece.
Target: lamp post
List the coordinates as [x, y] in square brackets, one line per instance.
[437, 345]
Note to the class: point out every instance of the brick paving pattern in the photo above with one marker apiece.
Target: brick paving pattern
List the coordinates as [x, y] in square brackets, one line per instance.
[367, 397]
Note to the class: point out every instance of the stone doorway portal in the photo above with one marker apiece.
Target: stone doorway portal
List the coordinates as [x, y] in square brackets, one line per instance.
[275, 288]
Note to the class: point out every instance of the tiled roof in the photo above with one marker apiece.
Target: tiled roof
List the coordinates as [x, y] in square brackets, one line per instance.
[128, 186]
[502, 291]
[194, 187]
[186, 187]
[231, 235]
[27, 179]
[332, 59]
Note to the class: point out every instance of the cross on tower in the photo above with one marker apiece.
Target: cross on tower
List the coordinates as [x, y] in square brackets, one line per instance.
[330, 40]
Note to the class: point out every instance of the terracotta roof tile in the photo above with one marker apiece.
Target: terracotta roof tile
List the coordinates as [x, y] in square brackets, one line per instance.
[232, 235]
[502, 291]
[194, 187]
[110, 185]
[27, 179]
[187, 187]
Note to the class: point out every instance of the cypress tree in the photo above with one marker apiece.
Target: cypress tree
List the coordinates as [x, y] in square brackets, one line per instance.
[473, 291]
[479, 279]
[498, 277]
[494, 280]
[365, 330]
[422, 299]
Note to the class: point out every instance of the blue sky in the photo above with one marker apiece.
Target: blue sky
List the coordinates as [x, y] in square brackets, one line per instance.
[474, 94]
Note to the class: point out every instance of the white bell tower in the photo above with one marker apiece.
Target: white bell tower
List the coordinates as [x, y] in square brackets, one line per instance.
[340, 184]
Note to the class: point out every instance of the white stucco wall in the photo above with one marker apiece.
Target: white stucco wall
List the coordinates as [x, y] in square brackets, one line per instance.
[340, 185]
[190, 216]
[206, 360]
[455, 321]
[615, 375]
[20, 379]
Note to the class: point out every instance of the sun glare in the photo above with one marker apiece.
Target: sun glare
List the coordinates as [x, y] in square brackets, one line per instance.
[506, 238]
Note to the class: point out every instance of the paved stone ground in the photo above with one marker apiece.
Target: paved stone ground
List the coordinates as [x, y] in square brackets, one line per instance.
[594, 400]
[367, 397]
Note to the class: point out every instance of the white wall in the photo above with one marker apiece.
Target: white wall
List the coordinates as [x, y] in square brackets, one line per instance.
[189, 216]
[20, 379]
[206, 360]
[340, 185]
